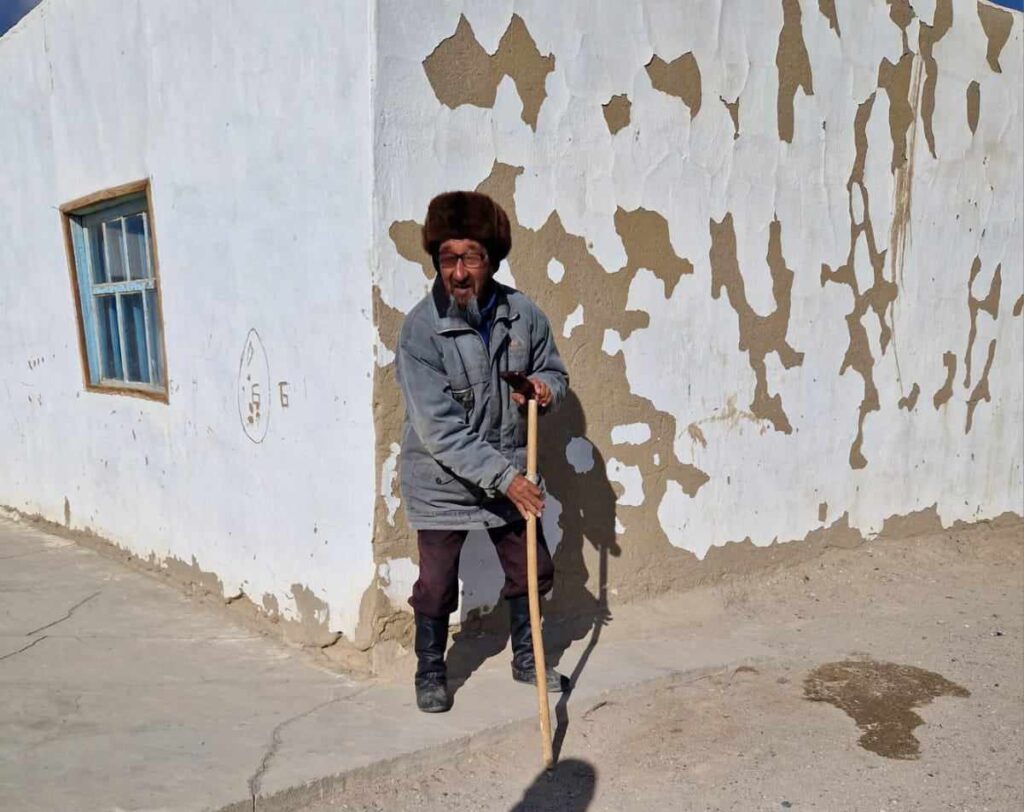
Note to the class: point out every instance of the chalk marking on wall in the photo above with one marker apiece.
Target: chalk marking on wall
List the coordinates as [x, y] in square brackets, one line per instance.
[253, 387]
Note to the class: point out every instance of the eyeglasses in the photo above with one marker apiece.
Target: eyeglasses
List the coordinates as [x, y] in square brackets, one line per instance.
[471, 260]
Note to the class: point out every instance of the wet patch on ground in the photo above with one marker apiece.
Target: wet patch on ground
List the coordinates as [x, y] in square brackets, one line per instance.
[880, 698]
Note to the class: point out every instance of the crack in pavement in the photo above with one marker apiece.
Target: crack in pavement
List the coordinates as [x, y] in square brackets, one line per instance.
[275, 741]
[67, 614]
[25, 648]
[25, 554]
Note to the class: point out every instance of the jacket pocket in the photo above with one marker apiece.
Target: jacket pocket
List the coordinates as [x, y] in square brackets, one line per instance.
[430, 476]
[466, 398]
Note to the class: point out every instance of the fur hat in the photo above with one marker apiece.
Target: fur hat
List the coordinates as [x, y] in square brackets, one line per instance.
[467, 216]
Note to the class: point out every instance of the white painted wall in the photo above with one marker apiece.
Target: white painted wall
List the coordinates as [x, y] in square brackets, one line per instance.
[763, 484]
[253, 123]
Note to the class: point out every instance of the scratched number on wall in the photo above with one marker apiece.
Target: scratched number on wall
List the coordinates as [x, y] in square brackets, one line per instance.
[254, 389]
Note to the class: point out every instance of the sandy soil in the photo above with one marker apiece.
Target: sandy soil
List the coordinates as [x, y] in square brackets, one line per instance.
[922, 640]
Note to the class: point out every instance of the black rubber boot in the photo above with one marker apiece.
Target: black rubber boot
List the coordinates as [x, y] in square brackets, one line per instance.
[524, 669]
[431, 676]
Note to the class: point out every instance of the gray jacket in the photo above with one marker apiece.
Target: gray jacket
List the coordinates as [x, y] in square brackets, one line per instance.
[464, 439]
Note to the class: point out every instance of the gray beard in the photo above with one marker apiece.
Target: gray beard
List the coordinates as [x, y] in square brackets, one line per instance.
[469, 314]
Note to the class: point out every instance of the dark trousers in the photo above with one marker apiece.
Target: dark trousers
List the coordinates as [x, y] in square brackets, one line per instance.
[436, 592]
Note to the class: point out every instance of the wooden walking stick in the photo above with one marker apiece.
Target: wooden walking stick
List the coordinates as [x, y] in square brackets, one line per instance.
[543, 708]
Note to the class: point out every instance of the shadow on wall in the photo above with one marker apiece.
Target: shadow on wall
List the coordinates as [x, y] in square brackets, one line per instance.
[588, 538]
[568, 787]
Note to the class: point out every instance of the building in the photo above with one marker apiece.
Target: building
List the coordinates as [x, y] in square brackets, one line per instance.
[780, 243]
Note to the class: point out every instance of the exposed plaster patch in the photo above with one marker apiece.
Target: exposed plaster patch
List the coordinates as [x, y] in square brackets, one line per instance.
[1018, 306]
[902, 14]
[996, 23]
[389, 482]
[579, 453]
[794, 67]
[927, 36]
[990, 304]
[192, 576]
[822, 511]
[556, 271]
[407, 236]
[981, 391]
[945, 392]
[828, 11]
[572, 321]
[390, 539]
[616, 112]
[679, 78]
[645, 238]
[632, 433]
[461, 72]
[271, 605]
[877, 298]
[899, 228]
[759, 335]
[697, 435]
[973, 105]
[734, 113]
[909, 402]
[631, 480]
[314, 615]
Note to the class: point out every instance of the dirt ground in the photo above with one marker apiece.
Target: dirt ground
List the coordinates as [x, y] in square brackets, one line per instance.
[896, 683]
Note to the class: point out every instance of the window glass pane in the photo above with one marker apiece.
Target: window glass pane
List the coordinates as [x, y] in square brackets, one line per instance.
[135, 232]
[156, 346]
[110, 341]
[96, 261]
[136, 358]
[115, 257]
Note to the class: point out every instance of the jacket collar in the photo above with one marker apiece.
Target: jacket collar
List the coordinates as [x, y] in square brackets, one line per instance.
[504, 308]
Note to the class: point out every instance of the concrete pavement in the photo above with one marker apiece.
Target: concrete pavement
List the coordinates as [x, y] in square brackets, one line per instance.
[119, 693]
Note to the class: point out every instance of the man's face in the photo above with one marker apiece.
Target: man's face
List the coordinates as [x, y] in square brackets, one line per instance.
[465, 270]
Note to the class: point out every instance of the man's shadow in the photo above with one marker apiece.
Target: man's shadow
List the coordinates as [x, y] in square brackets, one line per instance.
[568, 787]
[587, 515]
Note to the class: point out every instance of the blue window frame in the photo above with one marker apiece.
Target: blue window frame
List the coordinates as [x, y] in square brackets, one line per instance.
[117, 285]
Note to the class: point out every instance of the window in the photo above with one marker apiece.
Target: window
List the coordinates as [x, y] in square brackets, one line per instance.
[111, 248]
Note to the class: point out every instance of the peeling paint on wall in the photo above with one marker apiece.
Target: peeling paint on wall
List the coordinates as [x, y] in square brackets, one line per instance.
[876, 298]
[828, 11]
[942, 396]
[996, 23]
[734, 113]
[909, 402]
[990, 304]
[759, 335]
[616, 112]
[679, 78]
[794, 66]
[973, 105]
[927, 37]
[462, 72]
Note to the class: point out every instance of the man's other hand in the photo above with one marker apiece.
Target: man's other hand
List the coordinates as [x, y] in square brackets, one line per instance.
[526, 496]
[537, 389]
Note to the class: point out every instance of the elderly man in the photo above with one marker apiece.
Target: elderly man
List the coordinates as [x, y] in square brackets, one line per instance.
[469, 356]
